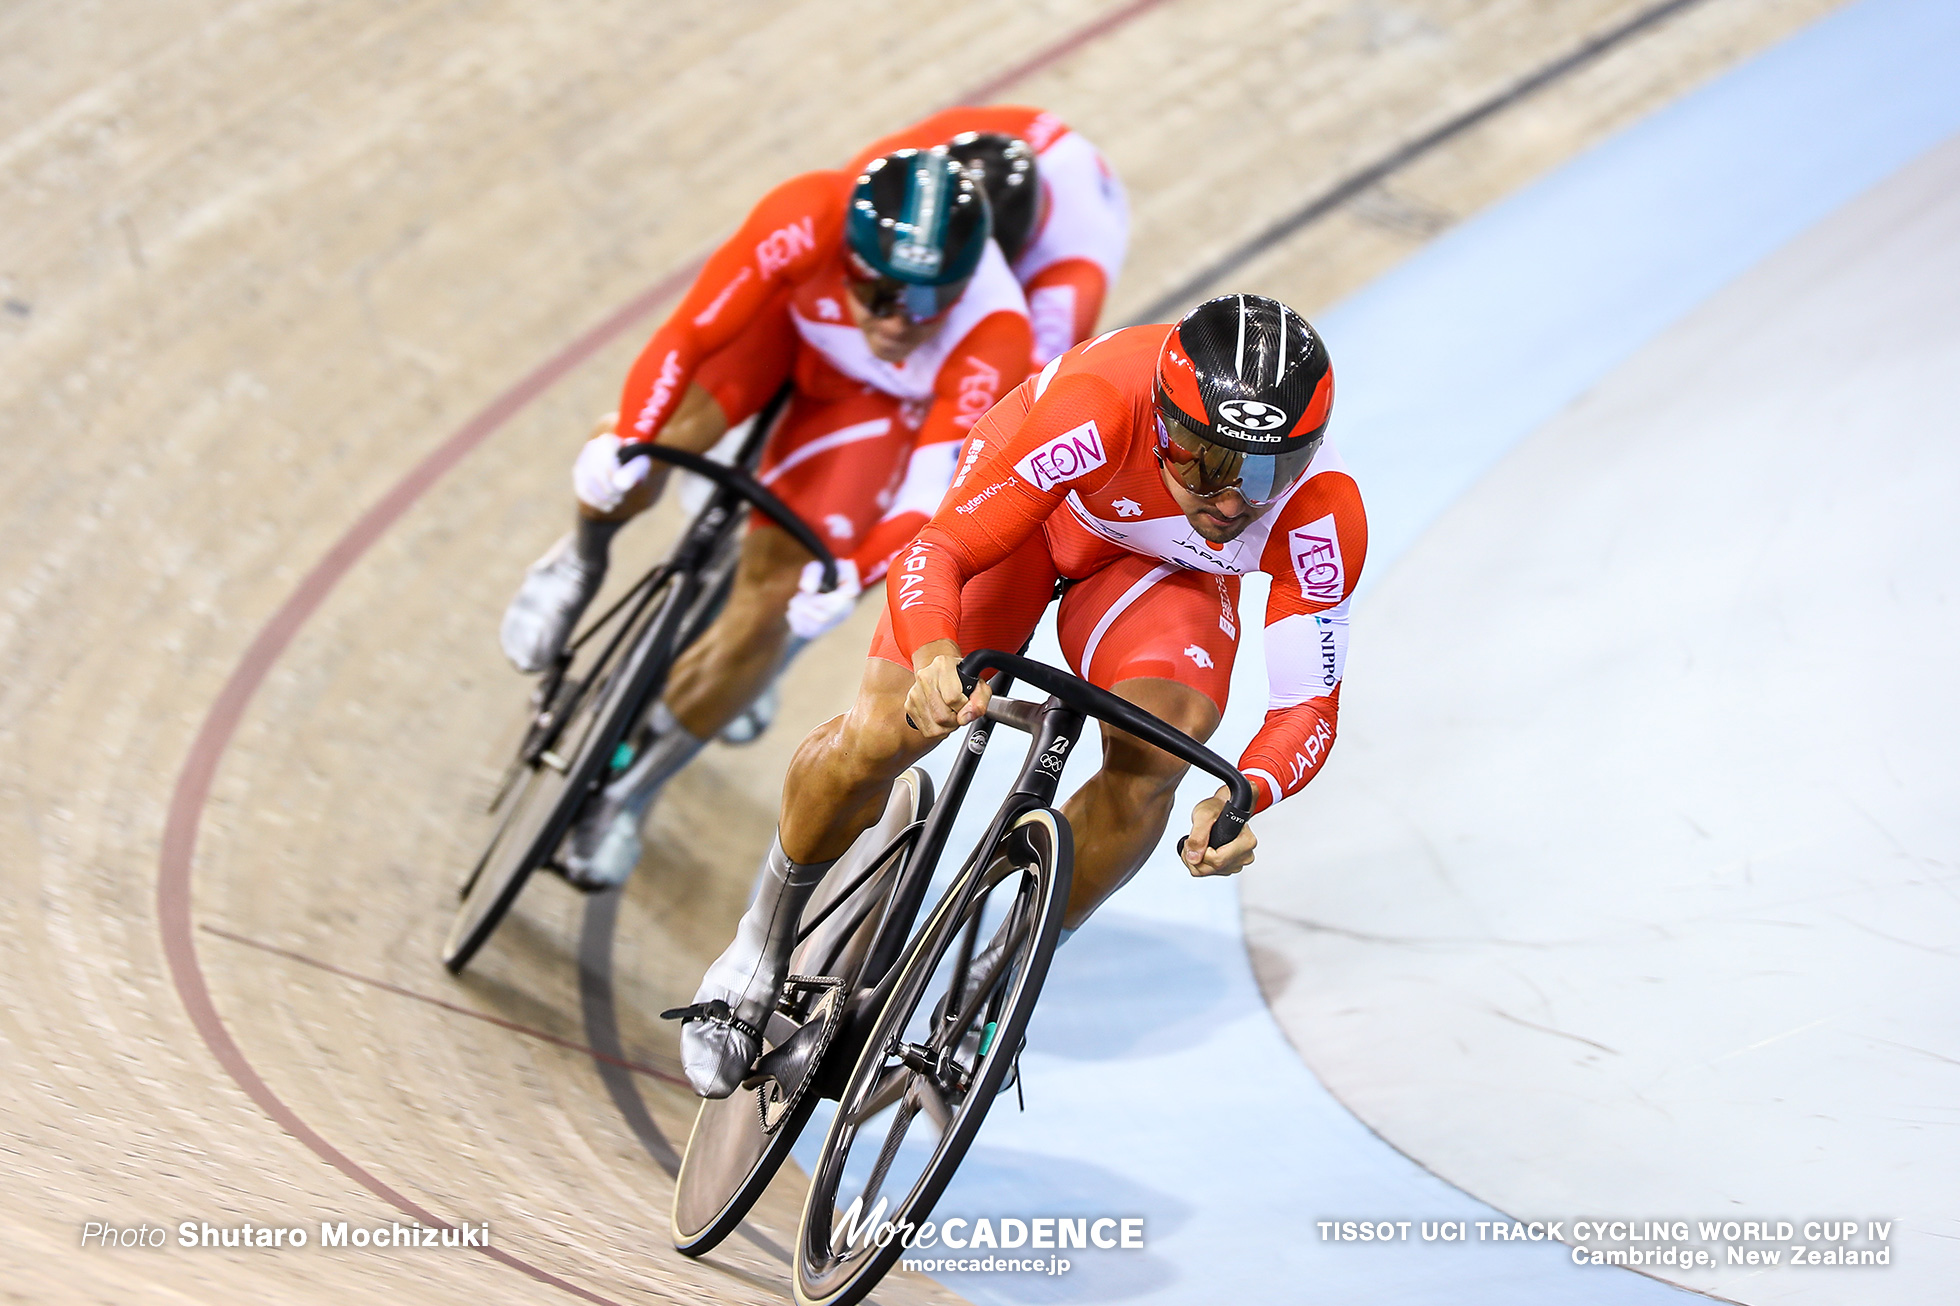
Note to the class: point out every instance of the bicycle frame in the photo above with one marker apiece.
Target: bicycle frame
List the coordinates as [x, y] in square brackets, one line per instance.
[735, 490]
[1054, 727]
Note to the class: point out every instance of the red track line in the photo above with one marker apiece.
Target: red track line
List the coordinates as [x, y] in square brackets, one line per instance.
[1057, 52]
[664, 1076]
[177, 855]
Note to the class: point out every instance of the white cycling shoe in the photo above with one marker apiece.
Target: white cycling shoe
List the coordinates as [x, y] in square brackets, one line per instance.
[605, 845]
[540, 618]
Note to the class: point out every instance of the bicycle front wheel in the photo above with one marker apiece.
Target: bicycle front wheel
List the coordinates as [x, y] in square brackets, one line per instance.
[563, 762]
[934, 1060]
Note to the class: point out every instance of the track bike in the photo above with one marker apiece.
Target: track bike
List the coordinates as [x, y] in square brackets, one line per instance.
[899, 1025]
[584, 725]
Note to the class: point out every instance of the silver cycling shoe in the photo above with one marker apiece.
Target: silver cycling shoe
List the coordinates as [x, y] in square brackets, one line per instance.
[604, 849]
[721, 1033]
[540, 618]
[756, 718]
[716, 1054]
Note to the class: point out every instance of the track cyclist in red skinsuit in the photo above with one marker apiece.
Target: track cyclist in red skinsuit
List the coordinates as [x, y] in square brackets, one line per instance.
[1063, 222]
[1065, 234]
[885, 300]
[1152, 467]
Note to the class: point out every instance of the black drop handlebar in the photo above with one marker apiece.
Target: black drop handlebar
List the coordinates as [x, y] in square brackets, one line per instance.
[1105, 706]
[745, 485]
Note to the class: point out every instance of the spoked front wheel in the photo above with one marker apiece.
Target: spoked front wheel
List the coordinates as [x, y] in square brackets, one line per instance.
[563, 760]
[934, 1061]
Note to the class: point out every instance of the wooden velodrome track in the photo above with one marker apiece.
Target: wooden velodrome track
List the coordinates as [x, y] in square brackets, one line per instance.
[305, 309]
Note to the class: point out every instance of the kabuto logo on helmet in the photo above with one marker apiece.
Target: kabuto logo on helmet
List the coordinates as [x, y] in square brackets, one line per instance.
[1252, 415]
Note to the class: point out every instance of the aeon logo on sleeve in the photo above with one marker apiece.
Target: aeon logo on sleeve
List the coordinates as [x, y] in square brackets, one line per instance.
[775, 251]
[1067, 456]
[1316, 552]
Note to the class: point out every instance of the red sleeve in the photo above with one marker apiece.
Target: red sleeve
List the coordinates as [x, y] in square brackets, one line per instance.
[1065, 301]
[1019, 466]
[1316, 549]
[1290, 747]
[991, 360]
[783, 240]
[1314, 556]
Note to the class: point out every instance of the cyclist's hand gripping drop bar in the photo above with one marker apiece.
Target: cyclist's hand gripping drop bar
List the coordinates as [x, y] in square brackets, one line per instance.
[741, 483]
[1105, 706]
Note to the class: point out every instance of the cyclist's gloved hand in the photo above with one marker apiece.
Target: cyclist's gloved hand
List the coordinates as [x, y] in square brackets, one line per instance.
[811, 613]
[1199, 858]
[599, 479]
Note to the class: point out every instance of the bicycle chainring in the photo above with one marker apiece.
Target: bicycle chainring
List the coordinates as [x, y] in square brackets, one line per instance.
[786, 1071]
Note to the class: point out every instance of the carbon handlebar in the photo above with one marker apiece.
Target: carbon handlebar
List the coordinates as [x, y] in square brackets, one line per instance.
[745, 485]
[1105, 706]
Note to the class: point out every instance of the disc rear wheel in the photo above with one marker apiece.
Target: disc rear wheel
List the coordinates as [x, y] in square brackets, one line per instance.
[740, 1141]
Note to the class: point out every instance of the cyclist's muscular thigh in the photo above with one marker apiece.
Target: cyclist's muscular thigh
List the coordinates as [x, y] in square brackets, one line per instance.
[694, 427]
[735, 657]
[1119, 816]
[843, 770]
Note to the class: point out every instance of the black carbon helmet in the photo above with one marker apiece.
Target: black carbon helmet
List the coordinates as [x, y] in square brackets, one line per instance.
[1005, 167]
[1244, 391]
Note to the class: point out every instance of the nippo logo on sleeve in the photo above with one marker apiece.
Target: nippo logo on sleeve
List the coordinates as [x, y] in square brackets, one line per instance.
[1067, 456]
[1316, 552]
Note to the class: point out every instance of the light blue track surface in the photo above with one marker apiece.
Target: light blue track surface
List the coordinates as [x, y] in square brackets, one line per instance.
[1158, 1084]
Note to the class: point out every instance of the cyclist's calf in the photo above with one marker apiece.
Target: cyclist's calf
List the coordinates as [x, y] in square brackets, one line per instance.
[735, 657]
[844, 769]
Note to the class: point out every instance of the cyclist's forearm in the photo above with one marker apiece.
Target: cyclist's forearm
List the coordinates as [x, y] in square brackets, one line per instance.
[922, 594]
[1290, 748]
[697, 425]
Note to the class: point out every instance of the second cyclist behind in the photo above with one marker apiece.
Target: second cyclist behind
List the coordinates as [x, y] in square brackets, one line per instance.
[886, 302]
[1063, 222]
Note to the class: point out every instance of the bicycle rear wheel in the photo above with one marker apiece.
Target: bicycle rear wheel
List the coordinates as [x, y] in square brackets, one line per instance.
[567, 757]
[933, 1054]
[740, 1141]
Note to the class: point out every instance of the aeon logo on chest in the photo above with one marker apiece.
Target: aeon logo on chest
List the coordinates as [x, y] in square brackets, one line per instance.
[1316, 552]
[1067, 456]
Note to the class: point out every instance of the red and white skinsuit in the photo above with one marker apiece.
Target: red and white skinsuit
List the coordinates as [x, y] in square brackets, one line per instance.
[863, 438]
[1061, 479]
[1072, 258]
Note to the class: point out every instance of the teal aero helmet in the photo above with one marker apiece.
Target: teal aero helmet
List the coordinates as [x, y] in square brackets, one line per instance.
[918, 225]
